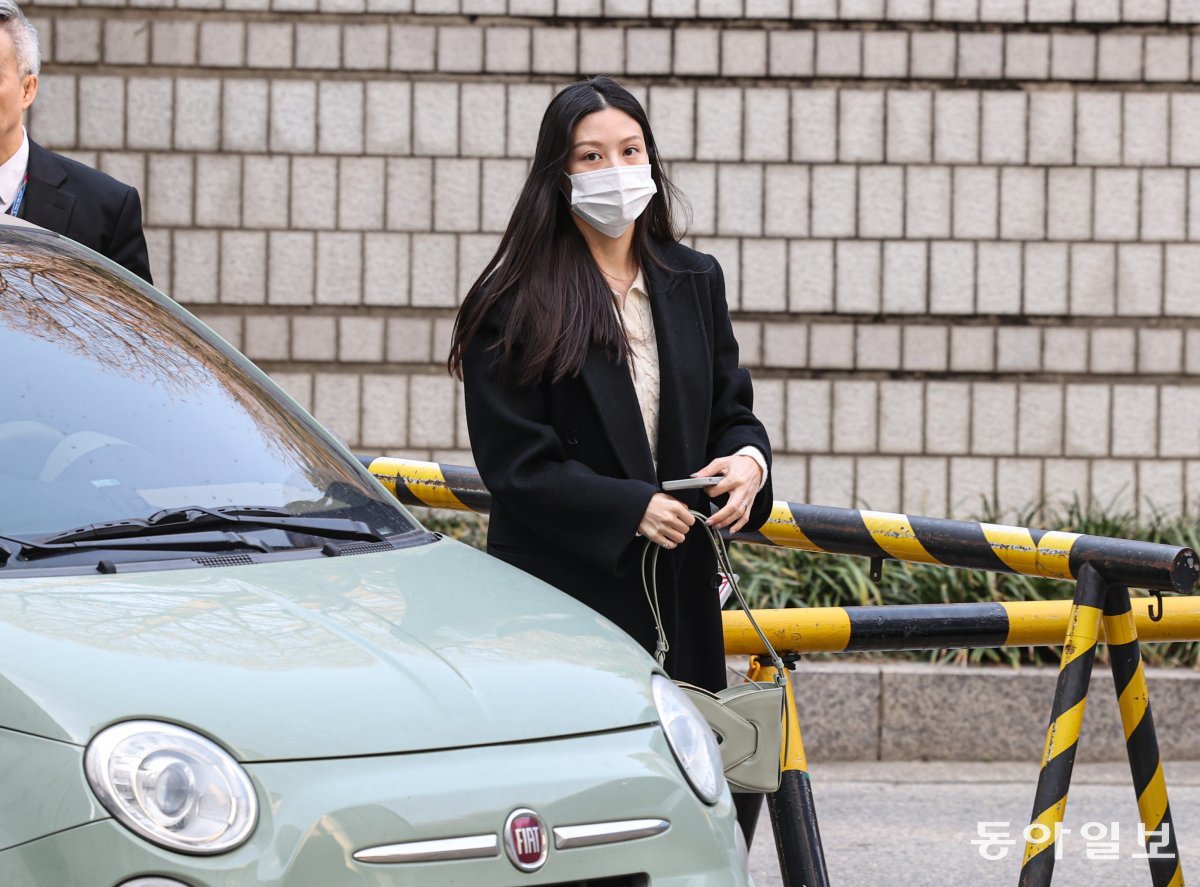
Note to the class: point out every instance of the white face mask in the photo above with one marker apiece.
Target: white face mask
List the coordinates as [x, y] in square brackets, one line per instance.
[610, 200]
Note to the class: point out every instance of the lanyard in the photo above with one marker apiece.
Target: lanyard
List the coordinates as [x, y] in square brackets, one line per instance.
[19, 199]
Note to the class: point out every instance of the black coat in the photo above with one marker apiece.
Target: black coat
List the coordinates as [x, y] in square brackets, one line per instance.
[87, 206]
[570, 470]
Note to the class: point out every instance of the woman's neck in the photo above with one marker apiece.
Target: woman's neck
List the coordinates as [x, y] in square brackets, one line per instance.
[613, 255]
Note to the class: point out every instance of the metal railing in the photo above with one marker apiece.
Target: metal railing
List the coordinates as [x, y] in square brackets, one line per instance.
[876, 535]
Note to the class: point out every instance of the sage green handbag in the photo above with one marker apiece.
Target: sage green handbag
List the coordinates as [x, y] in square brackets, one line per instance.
[748, 718]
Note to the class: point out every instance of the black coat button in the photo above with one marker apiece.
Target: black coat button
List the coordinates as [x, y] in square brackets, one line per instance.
[573, 437]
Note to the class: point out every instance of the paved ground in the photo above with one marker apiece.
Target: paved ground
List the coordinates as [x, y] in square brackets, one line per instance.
[912, 824]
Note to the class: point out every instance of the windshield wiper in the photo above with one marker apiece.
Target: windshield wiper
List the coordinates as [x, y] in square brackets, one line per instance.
[13, 548]
[191, 517]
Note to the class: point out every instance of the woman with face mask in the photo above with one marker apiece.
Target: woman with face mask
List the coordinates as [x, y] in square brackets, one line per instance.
[599, 361]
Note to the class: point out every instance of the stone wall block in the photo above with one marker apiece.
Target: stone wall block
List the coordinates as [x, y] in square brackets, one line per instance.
[951, 277]
[858, 277]
[293, 120]
[197, 113]
[764, 279]
[881, 203]
[739, 199]
[149, 107]
[901, 417]
[435, 118]
[834, 195]
[854, 417]
[814, 125]
[310, 176]
[101, 112]
[767, 133]
[810, 264]
[809, 411]
[218, 191]
[291, 268]
[905, 291]
[365, 47]
[244, 116]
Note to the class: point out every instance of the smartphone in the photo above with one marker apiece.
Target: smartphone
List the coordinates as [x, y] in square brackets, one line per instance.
[690, 483]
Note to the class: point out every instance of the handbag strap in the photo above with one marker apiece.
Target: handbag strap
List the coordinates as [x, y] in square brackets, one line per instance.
[661, 645]
[650, 586]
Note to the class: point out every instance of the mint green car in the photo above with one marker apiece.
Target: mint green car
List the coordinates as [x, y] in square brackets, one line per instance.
[229, 657]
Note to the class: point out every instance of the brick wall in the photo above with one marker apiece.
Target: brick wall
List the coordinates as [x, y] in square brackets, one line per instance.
[962, 237]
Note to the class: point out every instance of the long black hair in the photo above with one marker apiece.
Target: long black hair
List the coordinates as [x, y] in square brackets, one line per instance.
[556, 303]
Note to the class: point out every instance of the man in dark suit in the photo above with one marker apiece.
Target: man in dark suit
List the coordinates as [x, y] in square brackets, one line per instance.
[48, 189]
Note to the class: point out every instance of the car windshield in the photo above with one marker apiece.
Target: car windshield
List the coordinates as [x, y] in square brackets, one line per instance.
[117, 404]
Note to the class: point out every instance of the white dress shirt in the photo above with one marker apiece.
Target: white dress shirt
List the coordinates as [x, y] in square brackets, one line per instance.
[12, 173]
[638, 320]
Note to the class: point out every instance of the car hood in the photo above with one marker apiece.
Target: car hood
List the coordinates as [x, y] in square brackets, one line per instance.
[436, 646]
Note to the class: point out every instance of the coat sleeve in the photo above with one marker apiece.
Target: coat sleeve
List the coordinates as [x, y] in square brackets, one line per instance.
[128, 243]
[733, 424]
[523, 464]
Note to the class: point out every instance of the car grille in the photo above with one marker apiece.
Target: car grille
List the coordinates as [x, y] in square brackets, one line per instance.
[224, 560]
[364, 547]
[342, 548]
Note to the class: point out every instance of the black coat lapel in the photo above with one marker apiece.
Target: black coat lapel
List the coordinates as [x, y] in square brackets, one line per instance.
[684, 398]
[611, 388]
[44, 203]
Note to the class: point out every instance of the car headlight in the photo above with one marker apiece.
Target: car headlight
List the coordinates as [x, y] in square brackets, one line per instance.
[173, 787]
[692, 741]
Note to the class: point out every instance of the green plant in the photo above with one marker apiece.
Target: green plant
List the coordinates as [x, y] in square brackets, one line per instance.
[465, 527]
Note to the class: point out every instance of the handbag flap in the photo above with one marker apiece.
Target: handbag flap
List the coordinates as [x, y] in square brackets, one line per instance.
[763, 706]
[737, 737]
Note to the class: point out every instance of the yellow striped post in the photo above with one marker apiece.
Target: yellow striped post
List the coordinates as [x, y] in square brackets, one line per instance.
[1141, 742]
[1062, 735]
[793, 811]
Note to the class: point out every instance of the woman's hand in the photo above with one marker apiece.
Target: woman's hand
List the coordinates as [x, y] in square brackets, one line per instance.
[743, 478]
[666, 520]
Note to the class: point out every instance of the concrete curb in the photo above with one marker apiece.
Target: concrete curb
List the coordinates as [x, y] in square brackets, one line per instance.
[913, 711]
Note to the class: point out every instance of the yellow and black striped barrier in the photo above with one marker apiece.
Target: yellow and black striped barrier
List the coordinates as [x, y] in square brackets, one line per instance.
[1066, 723]
[431, 484]
[896, 627]
[872, 534]
[793, 811]
[1141, 742]
[1099, 603]
[1052, 554]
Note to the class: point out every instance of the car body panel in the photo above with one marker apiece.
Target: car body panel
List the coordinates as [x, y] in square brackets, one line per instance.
[434, 646]
[316, 814]
[44, 789]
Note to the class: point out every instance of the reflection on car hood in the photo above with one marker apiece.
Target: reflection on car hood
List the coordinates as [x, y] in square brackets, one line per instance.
[437, 646]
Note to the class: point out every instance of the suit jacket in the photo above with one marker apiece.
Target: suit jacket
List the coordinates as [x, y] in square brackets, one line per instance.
[571, 473]
[87, 206]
